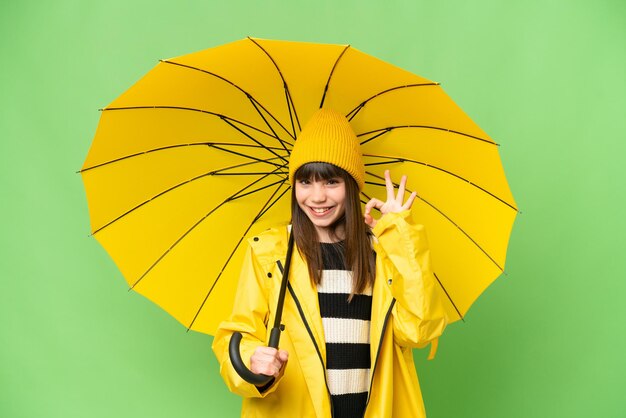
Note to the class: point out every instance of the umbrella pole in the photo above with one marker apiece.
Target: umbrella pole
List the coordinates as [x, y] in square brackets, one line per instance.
[235, 340]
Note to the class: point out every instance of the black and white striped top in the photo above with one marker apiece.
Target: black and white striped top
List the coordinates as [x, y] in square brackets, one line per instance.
[346, 329]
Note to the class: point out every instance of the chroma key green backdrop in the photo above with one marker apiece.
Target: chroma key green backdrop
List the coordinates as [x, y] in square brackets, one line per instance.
[545, 79]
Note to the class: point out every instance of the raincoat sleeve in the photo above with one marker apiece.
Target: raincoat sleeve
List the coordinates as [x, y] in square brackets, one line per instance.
[418, 315]
[250, 317]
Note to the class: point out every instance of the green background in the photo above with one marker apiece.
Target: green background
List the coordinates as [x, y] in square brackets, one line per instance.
[546, 79]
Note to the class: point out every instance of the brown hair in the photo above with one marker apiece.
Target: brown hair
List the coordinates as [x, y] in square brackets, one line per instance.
[359, 256]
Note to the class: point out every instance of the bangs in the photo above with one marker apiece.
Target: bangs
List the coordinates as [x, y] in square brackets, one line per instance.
[318, 171]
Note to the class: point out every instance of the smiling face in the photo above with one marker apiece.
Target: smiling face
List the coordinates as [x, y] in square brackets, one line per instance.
[323, 202]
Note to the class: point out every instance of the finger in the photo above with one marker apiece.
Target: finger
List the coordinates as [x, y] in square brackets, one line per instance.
[389, 186]
[370, 221]
[283, 355]
[277, 364]
[409, 202]
[264, 361]
[258, 355]
[266, 354]
[282, 366]
[267, 351]
[401, 188]
[373, 203]
[268, 370]
[261, 366]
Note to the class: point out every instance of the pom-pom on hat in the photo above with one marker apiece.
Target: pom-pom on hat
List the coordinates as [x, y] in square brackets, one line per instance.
[328, 138]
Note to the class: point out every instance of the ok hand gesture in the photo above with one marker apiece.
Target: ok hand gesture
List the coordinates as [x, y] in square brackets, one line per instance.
[395, 202]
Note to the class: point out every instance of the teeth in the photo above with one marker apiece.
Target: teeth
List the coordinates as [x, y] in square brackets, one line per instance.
[320, 210]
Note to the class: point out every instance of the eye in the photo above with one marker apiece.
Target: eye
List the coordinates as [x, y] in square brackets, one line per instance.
[304, 181]
[333, 181]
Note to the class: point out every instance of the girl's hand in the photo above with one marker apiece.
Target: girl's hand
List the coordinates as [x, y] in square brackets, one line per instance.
[393, 204]
[268, 361]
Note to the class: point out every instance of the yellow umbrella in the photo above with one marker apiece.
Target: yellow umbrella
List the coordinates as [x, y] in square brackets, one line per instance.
[193, 158]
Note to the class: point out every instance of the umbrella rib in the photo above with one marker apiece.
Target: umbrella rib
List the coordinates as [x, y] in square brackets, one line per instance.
[391, 161]
[293, 106]
[253, 139]
[210, 173]
[231, 122]
[261, 160]
[251, 98]
[290, 104]
[274, 202]
[255, 190]
[261, 212]
[366, 196]
[272, 129]
[189, 231]
[191, 109]
[332, 71]
[382, 132]
[443, 170]
[357, 109]
[442, 214]
[251, 173]
[387, 129]
[449, 298]
[204, 144]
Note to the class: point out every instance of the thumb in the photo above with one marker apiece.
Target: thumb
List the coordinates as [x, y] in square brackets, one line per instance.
[283, 355]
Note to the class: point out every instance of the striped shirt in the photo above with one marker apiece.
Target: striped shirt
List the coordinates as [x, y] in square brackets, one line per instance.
[346, 329]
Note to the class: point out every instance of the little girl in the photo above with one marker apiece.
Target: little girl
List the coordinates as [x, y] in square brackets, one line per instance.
[360, 294]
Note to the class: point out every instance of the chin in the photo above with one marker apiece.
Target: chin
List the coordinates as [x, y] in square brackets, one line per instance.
[325, 225]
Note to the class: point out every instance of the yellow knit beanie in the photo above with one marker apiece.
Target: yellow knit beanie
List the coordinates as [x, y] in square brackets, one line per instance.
[328, 138]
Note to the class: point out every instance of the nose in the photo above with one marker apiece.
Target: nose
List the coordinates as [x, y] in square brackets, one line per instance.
[318, 194]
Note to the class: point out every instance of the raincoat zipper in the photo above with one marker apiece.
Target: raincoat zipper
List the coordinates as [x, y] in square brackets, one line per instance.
[380, 343]
[306, 325]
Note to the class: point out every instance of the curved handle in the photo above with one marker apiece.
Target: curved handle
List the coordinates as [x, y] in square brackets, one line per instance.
[237, 361]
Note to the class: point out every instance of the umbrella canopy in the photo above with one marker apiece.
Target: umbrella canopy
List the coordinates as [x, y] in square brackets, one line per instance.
[194, 157]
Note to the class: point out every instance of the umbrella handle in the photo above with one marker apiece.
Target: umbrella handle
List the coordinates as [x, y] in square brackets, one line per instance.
[235, 340]
[237, 361]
